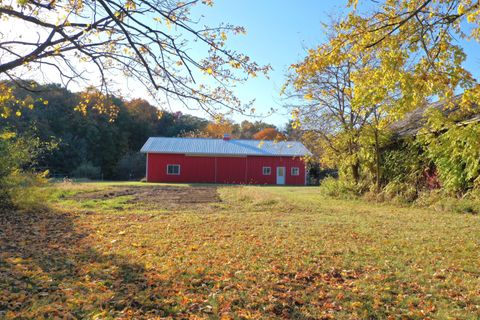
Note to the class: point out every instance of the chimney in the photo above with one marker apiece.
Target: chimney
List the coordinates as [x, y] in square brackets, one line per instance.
[226, 137]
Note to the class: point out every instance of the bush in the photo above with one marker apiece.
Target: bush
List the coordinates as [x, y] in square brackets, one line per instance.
[87, 170]
[131, 166]
[404, 164]
[442, 201]
[27, 190]
[397, 192]
[340, 188]
[19, 185]
[455, 152]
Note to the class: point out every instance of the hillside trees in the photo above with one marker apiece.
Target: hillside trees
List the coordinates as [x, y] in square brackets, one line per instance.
[146, 40]
[90, 137]
[269, 134]
[248, 128]
[218, 128]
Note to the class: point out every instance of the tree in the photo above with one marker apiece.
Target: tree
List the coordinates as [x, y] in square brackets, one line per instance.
[249, 129]
[269, 134]
[177, 123]
[435, 20]
[423, 35]
[332, 108]
[143, 121]
[382, 63]
[218, 129]
[293, 132]
[147, 40]
[421, 59]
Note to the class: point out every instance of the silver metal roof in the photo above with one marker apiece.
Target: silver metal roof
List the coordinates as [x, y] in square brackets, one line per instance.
[224, 147]
[413, 121]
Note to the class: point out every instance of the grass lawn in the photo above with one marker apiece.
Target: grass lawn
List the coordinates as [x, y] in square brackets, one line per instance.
[132, 250]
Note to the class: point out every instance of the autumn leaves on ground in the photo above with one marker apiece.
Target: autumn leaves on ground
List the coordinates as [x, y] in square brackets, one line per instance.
[101, 251]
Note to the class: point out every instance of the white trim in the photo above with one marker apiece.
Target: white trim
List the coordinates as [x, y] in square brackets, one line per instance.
[295, 168]
[267, 174]
[173, 174]
[283, 180]
[305, 175]
[146, 170]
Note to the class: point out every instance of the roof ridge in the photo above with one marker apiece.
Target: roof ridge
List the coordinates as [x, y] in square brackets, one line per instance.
[204, 138]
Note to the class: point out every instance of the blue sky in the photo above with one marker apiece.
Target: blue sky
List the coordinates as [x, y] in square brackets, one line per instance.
[278, 33]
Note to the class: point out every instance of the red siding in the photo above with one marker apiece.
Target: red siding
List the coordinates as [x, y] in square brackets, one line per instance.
[256, 164]
[192, 169]
[231, 170]
[234, 170]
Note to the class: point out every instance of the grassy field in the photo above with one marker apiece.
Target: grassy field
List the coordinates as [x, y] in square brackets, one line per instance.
[131, 250]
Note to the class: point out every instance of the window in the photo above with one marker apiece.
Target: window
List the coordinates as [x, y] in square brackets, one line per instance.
[173, 169]
[267, 171]
[295, 171]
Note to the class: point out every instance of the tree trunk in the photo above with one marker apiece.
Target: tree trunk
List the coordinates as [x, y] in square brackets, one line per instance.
[377, 161]
[356, 171]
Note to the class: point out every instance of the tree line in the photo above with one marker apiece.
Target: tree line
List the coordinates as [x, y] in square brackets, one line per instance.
[85, 141]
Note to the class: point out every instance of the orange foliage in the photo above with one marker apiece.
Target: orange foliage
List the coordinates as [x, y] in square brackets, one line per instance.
[217, 130]
[269, 134]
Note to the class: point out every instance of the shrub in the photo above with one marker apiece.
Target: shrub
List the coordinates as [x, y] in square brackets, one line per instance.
[404, 164]
[27, 189]
[87, 170]
[131, 166]
[398, 192]
[442, 201]
[19, 185]
[455, 152]
[341, 188]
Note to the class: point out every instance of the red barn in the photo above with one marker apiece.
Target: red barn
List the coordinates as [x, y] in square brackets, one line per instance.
[200, 160]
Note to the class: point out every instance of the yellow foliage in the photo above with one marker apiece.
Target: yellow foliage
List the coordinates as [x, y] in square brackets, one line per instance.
[11, 105]
[218, 128]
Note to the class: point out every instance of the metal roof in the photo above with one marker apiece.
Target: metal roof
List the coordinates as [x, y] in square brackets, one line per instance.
[413, 121]
[232, 147]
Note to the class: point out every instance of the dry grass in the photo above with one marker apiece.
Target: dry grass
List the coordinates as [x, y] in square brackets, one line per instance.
[262, 252]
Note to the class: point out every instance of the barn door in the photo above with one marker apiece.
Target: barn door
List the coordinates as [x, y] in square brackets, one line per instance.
[280, 175]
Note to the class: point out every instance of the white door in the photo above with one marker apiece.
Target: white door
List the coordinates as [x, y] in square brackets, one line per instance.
[280, 175]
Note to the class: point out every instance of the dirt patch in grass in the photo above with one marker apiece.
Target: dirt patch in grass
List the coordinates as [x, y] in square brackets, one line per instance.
[158, 197]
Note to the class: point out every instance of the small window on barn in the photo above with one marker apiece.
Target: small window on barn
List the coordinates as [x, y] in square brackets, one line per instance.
[295, 171]
[267, 171]
[173, 169]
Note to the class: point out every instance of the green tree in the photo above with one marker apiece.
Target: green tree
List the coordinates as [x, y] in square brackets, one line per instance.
[87, 136]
